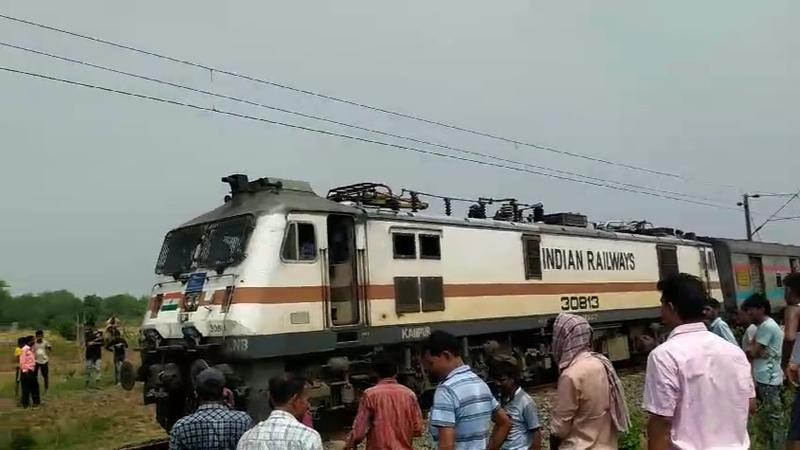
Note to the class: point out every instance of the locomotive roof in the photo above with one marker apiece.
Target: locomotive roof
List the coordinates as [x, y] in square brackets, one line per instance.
[521, 226]
[293, 195]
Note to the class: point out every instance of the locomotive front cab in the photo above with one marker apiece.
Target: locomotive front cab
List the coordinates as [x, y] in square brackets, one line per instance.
[198, 267]
[261, 277]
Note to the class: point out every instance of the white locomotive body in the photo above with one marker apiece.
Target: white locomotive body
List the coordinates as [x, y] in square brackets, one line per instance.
[279, 278]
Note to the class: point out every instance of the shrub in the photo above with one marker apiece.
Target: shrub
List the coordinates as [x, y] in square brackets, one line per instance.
[66, 329]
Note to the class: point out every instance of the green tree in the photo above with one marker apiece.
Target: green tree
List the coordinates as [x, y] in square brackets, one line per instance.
[58, 310]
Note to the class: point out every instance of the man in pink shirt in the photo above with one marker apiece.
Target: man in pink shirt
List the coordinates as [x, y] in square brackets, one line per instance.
[698, 387]
[28, 379]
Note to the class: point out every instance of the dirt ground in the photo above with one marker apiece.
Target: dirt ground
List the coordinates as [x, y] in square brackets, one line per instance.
[71, 416]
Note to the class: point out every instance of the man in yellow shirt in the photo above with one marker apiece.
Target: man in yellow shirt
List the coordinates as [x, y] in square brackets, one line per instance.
[17, 352]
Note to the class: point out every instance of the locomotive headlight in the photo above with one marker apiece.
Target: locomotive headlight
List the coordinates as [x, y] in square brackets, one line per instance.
[191, 333]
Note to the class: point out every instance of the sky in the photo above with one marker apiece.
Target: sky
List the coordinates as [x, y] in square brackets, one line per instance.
[91, 181]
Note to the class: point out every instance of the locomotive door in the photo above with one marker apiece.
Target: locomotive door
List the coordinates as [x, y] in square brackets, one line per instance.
[344, 297]
[705, 266]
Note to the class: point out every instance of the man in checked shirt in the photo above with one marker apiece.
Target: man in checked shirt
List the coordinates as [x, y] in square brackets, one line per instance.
[283, 430]
[213, 426]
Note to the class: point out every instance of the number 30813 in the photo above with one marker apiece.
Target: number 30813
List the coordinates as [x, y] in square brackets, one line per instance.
[579, 303]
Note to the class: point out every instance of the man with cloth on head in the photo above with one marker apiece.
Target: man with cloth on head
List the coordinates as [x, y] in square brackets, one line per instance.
[590, 405]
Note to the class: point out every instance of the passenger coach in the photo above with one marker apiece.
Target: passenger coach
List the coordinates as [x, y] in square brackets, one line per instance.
[748, 267]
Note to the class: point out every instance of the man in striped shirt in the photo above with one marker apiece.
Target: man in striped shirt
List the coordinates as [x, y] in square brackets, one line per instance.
[463, 406]
[388, 415]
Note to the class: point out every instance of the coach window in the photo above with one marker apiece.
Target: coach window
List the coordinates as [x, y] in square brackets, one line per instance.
[667, 261]
[300, 244]
[404, 245]
[795, 267]
[429, 247]
[533, 261]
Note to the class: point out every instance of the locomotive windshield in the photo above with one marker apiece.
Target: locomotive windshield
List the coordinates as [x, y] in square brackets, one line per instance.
[214, 245]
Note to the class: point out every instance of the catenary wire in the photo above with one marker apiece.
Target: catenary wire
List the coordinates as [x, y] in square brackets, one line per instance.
[340, 123]
[785, 218]
[355, 103]
[345, 136]
[770, 218]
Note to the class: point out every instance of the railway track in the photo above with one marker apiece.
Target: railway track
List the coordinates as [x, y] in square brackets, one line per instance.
[336, 426]
[153, 444]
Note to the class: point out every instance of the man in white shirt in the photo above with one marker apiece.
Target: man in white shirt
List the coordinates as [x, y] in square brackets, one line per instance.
[282, 430]
[41, 351]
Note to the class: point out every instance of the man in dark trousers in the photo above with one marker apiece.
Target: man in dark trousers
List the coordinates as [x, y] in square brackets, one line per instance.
[93, 341]
[28, 378]
[41, 350]
[117, 345]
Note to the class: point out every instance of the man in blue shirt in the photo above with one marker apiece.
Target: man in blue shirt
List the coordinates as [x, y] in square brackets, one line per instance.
[463, 406]
[519, 406]
[715, 323]
[765, 351]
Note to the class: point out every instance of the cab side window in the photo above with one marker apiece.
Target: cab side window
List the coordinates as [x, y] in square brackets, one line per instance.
[300, 243]
[531, 247]
[404, 245]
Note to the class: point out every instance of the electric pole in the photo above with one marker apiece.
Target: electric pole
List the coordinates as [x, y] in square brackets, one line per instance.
[745, 203]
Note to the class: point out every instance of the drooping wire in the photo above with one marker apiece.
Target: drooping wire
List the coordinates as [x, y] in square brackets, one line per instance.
[346, 136]
[356, 103]
[340, 123]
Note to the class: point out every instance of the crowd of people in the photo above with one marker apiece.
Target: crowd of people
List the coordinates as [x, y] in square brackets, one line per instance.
[702, 386]
[33, 357]
[33, 353]
[94, 341]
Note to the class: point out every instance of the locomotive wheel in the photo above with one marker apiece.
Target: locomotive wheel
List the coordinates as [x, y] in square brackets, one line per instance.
[195, 368]
[127, 376]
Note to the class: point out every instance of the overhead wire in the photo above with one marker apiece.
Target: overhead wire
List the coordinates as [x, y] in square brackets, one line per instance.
[344, 136]
[353, 102]
[785, 218]
[778, 211]
[340, 123]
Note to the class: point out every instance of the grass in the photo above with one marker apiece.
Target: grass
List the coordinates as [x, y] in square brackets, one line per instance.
[632, 439]
[71, 416]
[759, 428]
